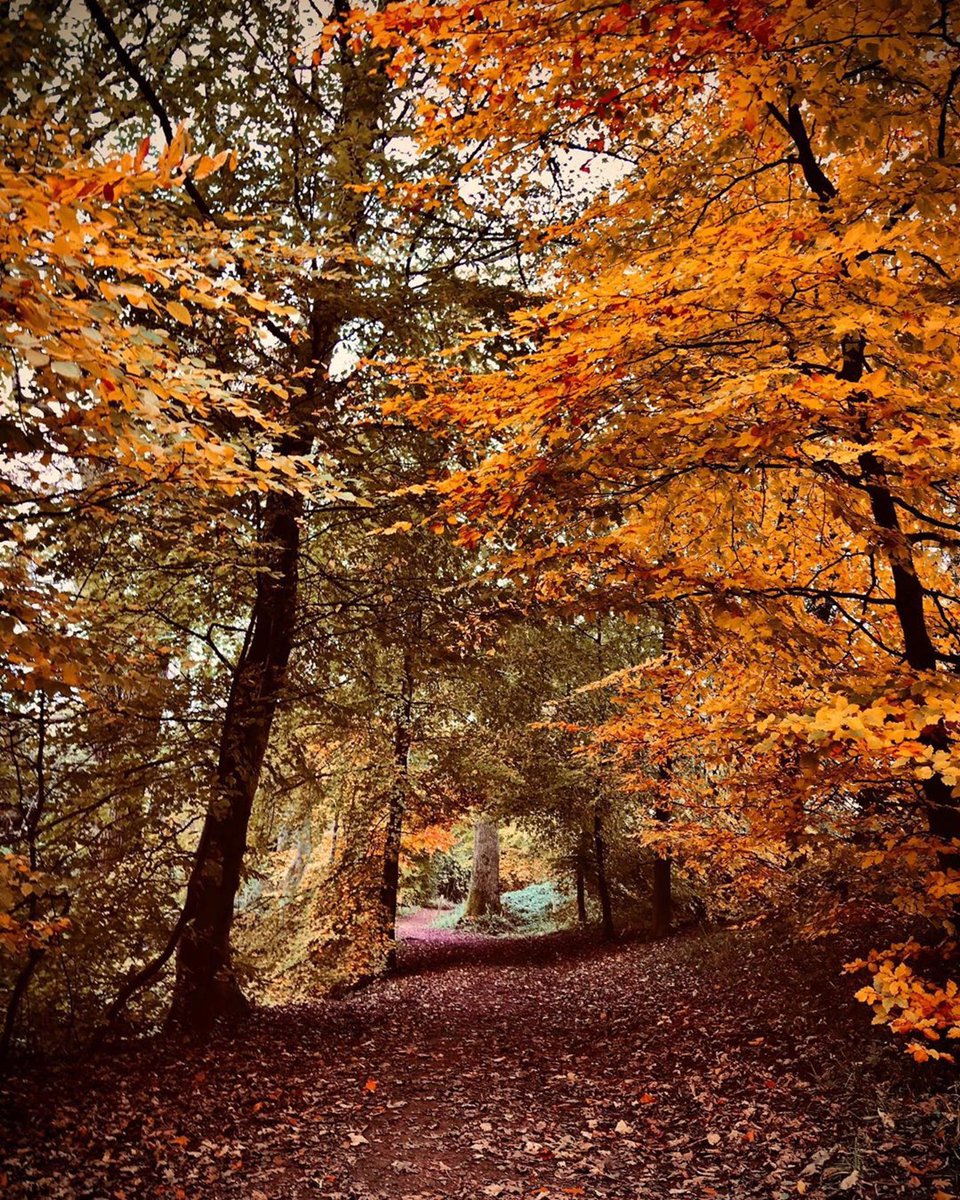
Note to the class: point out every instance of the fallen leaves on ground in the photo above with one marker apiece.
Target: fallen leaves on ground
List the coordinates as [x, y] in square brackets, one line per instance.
[728, 1066]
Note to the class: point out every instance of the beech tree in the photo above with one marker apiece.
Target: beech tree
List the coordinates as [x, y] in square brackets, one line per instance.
[619, 347]
[382, 240]
[739, 401]
[117, 433]
[484, 897]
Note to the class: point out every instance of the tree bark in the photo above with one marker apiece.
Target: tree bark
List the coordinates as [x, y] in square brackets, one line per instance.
[581, 888]
[390, 883]
[206, 989]
[943, 810]
[31, 816]
[662, 893]
[484, 897]
[603, 889]
[17, 994]
[662, 897]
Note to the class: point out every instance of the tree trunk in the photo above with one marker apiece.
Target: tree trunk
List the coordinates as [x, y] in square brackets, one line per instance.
[390, 884]
[206, 989]
[943, 810]
[662, 863]
[484, 897]
[909, 594]
[13, 1004]
[603, 890]
[31, 816]
[581, 889]
[662, 894]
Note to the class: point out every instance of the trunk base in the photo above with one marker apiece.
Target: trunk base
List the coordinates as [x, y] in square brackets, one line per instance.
[197, 1011]
[662, 898]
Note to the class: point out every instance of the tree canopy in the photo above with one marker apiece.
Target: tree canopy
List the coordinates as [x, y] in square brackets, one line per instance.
[418, 416]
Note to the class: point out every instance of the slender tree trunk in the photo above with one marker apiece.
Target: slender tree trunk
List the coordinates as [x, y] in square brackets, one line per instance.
[943, 809]
[603, 889]
[484, 897]
[302, 856]
[662, 897]
[581, 888]
[17, 994]
[599, 845]
[31, 816]
[390, 884]
[206, 988]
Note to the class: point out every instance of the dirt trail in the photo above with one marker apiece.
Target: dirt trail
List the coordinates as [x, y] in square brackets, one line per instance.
[419, 926]
[543, 1068]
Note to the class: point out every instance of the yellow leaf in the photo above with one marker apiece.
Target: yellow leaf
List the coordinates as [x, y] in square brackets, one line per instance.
[180, 312]
[206, 166]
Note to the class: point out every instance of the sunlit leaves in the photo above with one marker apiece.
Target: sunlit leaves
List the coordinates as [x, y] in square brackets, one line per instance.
[677, 429]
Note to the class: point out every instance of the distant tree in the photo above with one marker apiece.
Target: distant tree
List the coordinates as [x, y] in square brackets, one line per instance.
[483, 899]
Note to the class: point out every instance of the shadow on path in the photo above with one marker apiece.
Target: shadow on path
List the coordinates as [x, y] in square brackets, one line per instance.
[730, 1066]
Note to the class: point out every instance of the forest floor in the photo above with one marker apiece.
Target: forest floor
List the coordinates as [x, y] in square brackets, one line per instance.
[723, 1066]
[420, 926]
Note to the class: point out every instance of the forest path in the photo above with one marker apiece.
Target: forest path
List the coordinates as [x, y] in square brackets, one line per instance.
[420, 926]
[702, 1067]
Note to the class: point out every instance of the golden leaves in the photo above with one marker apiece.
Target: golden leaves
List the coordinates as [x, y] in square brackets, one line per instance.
[676, 427]
[207, 166]
[179, 312]
[909, 1004]
[94, 293]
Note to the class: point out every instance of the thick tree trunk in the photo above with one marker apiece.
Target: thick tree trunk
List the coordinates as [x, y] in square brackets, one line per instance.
[390, 882]
[484, 897]
[603, 889]
[206, 989]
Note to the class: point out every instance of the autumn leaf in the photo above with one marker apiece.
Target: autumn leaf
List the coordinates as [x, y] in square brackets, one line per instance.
[179, 312]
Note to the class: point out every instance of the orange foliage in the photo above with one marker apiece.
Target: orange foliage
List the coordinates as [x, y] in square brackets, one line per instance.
[740, 404]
